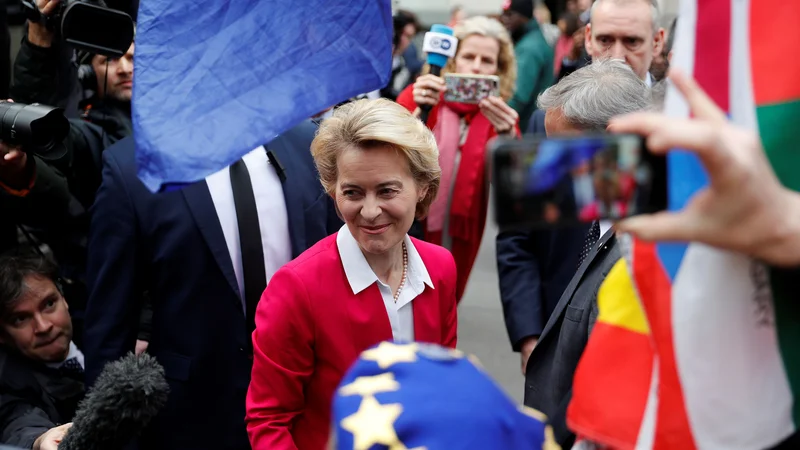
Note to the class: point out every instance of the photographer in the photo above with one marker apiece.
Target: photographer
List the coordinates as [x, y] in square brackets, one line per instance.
[39, 77]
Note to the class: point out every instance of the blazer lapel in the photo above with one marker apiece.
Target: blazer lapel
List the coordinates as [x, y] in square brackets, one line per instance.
[291, 193]
[205, 215]
[573, 284]
[369, 322]
[427, 323]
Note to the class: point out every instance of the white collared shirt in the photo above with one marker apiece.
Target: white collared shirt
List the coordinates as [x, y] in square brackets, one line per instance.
[273, 220]
[74, 352]
[360, 276]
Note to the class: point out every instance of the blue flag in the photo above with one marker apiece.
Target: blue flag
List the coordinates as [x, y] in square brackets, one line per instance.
[215, 79]
[415, 396]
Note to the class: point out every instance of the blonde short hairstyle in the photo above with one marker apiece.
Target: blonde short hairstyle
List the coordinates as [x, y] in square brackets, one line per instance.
[368, 124]
[506, 61]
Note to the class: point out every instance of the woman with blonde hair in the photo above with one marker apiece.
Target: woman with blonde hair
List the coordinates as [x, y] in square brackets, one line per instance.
[458, 216]
[368, 283]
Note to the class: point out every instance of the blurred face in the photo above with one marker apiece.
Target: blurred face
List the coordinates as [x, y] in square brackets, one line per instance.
[39, 325]
[624, 30]
[376, 196]
[119, 84]
[572, 6]
[405, 38]
[478, 55]
[514, 22]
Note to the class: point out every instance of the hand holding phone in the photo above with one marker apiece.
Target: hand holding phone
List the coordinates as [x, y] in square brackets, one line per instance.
[427, 90]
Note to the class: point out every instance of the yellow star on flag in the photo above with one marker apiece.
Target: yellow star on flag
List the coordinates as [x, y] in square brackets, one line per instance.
[373, 424]
[387, 354]
[369, 386]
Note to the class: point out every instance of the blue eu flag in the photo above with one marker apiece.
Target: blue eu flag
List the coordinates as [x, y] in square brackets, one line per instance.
[401, 396]
[215, 79]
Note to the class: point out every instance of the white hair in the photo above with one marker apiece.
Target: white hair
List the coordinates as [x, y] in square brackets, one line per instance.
[653, 6]
[589, 97]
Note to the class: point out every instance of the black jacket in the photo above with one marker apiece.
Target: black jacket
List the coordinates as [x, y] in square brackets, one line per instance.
[33, 399]
[43, 208]
[551, 366]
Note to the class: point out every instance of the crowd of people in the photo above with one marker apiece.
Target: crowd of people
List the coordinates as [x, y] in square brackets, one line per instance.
[259, 287]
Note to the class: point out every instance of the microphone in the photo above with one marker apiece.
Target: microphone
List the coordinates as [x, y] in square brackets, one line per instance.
[127, 395]
[440, 45]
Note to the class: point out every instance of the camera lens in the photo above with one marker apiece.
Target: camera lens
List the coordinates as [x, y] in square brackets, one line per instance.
[36, 128]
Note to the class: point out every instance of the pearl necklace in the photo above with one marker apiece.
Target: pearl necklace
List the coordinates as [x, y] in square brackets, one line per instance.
[405, 273]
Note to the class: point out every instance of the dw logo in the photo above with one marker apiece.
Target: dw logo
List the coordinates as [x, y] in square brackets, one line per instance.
[444, 44]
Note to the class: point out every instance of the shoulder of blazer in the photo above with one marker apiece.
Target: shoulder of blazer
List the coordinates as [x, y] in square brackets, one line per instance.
[124, 151]
[299, 137]
[438, 260]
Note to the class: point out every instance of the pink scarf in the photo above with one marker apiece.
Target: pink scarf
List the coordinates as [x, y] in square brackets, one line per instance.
[447, 132]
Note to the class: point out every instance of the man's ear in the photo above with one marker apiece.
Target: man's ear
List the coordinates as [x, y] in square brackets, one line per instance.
[669, 57]
[587, 39]
[658, 42]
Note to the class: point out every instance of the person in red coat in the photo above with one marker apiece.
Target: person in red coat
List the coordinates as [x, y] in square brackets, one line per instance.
[458, 216]
[367, 283]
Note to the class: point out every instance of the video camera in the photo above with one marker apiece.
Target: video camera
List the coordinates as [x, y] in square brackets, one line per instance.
[88, 25]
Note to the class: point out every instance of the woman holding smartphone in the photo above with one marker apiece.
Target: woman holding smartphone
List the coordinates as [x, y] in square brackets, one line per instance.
[458, 215]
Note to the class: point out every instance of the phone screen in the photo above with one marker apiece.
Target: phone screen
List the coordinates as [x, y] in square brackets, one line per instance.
[470, 89]
[564, 181]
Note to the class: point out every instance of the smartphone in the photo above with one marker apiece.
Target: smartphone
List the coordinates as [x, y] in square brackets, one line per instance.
[470, 88]
[563, 181]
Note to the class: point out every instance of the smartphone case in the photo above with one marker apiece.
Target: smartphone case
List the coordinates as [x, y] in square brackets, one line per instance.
[470, 88]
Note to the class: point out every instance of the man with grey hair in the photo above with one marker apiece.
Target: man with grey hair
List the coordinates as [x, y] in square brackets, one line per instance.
[587, 99]
[534, 267]
[549, 307]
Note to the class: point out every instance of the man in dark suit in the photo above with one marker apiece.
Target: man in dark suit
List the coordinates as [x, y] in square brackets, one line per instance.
[534, 267]
[584, 101]
[204, 254]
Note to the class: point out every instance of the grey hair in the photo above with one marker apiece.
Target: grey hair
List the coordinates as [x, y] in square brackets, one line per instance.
[589, 97]
[656, 13]
[658, 95]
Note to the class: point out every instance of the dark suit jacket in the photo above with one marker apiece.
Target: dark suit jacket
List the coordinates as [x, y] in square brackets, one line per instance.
[534, 267]
[33, 399]
[172, 245]
[551, 366]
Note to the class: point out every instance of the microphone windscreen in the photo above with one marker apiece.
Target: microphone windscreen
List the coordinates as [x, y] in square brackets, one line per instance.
[124, 399]
[440, 45]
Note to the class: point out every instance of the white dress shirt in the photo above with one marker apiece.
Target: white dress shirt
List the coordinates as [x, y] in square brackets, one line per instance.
[360, 276]
[273, 219]
[74, 352]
